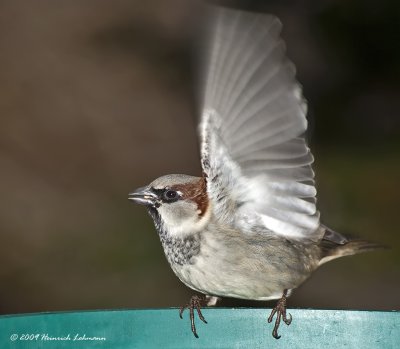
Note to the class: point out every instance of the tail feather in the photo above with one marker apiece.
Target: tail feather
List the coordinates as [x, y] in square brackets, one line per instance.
[335, 245]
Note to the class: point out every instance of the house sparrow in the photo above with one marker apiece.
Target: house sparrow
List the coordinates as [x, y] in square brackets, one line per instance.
[248, 227]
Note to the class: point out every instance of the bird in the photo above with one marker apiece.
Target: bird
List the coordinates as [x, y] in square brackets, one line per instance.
[248, 226]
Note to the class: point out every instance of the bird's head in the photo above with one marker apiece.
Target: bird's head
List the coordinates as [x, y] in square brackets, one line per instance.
[178, 203]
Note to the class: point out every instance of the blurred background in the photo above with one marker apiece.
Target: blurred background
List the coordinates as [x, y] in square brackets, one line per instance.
[98, 98]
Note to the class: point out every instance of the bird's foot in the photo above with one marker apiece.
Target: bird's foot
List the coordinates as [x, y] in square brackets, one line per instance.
[280, 310]
[196, 302]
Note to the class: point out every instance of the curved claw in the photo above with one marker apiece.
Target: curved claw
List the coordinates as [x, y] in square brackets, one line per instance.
[181, 310]
[286, 320]
[195, 303]
[275, 333]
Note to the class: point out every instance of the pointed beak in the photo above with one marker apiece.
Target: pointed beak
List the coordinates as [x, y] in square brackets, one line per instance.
[143, 196]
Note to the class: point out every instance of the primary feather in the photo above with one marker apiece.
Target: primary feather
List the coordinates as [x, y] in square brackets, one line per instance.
[253, 150]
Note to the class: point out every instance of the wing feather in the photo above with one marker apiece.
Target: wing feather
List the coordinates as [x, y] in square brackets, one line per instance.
[253, 150]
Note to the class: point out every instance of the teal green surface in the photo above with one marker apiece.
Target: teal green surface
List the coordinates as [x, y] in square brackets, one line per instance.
[226, 328]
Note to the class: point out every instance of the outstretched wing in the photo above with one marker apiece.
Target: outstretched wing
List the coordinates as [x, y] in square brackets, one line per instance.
[253, 150]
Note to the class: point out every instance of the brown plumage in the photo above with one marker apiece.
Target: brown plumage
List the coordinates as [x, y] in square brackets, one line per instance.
[197, 192]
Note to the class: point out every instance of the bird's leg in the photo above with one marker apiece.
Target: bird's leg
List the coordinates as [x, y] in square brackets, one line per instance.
[196, 302]
[280, 310]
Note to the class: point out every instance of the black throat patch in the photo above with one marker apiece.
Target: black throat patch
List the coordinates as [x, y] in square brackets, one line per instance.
[177, 250]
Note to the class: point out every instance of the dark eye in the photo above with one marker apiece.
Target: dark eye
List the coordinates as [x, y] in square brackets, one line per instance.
[170, 195]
